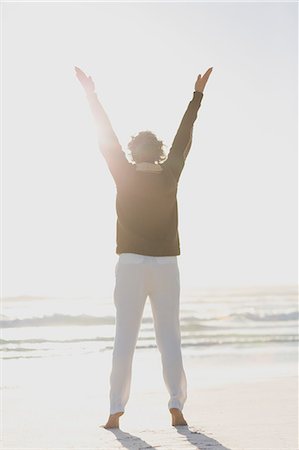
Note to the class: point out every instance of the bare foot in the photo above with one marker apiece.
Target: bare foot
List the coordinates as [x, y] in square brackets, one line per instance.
[177, 417]
[113, 421]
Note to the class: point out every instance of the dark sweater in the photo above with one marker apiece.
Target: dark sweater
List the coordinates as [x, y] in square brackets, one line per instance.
[146, 202]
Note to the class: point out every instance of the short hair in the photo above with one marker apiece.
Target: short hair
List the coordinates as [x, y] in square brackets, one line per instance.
[146, 147]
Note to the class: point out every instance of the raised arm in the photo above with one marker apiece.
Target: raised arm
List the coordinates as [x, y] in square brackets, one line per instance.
[107, 139]
[183, 138]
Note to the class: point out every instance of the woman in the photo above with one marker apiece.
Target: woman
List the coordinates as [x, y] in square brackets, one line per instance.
[147, 242]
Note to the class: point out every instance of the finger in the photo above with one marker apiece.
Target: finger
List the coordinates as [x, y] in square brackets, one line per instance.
[81, 77]
[80, 72]
[207, 74]
[78, 69]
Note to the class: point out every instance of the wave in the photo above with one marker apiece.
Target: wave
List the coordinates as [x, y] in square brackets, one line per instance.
[241, 316]
[54, 341]
[39, 348]
[23, 352]
[265, 317]
[57, 320]
[89, 320]
[186, 340]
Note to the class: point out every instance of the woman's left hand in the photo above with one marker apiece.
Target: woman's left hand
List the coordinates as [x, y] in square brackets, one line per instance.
[86, 82]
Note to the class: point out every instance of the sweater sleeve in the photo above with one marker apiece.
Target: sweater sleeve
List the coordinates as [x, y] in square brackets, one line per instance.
[107, 139]
[183, 138]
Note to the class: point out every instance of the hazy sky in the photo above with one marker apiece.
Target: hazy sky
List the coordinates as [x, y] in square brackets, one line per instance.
[238, 191]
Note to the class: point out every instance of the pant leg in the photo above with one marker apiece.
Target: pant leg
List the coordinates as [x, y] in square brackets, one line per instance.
[129, 299]
[165, 302]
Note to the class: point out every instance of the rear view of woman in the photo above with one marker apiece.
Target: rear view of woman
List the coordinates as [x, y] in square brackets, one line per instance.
[147, 242]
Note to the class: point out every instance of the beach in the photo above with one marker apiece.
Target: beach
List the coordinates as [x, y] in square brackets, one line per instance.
[241, 395]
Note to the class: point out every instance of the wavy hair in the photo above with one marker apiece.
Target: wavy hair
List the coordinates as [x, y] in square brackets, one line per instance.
[146, 147]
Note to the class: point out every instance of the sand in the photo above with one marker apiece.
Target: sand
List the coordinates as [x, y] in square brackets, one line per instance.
[235, 402]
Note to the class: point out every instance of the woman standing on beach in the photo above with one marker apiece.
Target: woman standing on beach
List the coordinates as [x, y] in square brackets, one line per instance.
[148, 245]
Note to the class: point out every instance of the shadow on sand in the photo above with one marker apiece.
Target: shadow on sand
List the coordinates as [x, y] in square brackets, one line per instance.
[195, 438]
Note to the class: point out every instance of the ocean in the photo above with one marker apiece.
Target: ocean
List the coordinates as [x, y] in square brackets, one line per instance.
[212, 321]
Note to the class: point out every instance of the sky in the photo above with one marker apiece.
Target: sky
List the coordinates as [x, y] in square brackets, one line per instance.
[238, 192]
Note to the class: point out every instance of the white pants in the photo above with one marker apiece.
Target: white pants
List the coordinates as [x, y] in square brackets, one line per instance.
[138, 276]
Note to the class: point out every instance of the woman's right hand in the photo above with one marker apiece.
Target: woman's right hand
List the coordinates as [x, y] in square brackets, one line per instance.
[86, 82]
[202, 80]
